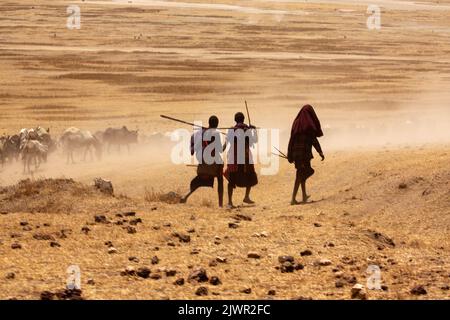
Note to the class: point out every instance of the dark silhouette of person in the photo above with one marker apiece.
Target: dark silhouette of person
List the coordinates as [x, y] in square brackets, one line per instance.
[304, 133]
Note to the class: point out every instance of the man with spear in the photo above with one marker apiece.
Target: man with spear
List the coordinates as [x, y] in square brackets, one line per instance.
[240, 170]
[207, 148]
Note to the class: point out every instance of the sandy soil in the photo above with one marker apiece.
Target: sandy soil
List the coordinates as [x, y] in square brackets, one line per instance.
[382, 97]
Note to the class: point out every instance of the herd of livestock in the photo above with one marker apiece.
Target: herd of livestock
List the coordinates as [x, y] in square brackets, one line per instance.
[32, 146]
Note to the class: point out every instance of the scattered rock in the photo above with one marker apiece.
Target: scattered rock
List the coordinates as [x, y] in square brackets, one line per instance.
[108, 244]
[100, 219]
[171, 244]
[24, 223]
[16, 245]
[195, 251]
[85, 230]
[131, 230]
[306, 252]
[402, 185]
[10, 276]
[182, 237]
[179, 282]
[271, 292]
[155, 260]
[133, 259]
[358, 292]
[253, 255]
[287, 267]
[112, 250]
[90, 282]
[233, 225]
[47, 295]
[242, 217]
[69, 294]
[282, 259]
[323, 262]
[54, 244]
[135, 221]
[191, 230]
[171, 272]
[129, 214]
[104, 186]
[43, 236]
[155, 276]
[27, 228]
[221, 259]
[246, 290]
[418, 290]
[129, 271]
[198, 275]
[215, 281]
[317, 225]
[143, 272]
[202, 291]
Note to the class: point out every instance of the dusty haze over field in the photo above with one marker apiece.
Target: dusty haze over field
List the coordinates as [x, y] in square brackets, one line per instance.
[382, 96]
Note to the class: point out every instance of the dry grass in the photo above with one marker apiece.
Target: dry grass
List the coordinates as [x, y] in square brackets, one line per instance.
[152, 196]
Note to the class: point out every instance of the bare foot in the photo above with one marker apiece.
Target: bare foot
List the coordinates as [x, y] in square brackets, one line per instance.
[294, 202]
[230, 206]
[248, 200]
[305, 199]
[183, 200]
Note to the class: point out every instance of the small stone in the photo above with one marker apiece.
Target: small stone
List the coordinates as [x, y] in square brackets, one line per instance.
[155, 276]
[271, 292]
[215, 281]
[90, 282]
[16, 245]
[27, 228]
[135, 221]
[133, 259]
[323, 262]
[282, 259]
[131, 230]
[287, 267]
[195, 251]
[129, 214]
[317, 225]
[43, 236]
[418, 290]
[339, 283]
[182, 237]
[221, 259]
[198, 274]
[213, 263]
[167, 224]
[143, 272]
[253, 255]
[23, 223]
[171, 272]
[384, 287]
[112, 250]
[298, 266]
[306, 252]
[129, 271]
[47, 295]
[100, 219]
[179, 282]
[202, 291]
[246, 290]
[155, 260]
[233, 225]
[358, 292]
[54, 244]
[191, 230]
[402, 185]
[171, 244]
[85, 230]
[10, 276]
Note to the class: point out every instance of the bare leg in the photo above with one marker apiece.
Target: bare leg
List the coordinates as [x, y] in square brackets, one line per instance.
[230, 196]
[184, 199]
[296, 186]
[247, 196]
[305, 196]
[220, 189]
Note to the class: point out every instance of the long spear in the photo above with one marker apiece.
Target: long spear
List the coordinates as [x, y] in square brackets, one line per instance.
[186, 122]
[284, 155]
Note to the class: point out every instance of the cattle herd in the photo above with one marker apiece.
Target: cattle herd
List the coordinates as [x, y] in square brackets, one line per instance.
[32, 146]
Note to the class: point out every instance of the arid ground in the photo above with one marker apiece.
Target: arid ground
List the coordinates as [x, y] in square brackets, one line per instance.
[381, 197]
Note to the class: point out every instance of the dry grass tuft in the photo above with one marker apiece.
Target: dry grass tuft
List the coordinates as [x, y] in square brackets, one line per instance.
[159, 196]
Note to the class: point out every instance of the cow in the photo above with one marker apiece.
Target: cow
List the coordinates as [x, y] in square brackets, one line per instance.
[76, 139]
[119, 137]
